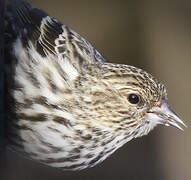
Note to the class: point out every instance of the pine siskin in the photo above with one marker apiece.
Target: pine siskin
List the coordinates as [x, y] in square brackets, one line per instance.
[67, 106]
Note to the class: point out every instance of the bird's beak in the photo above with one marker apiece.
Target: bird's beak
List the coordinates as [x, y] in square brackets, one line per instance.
[165, 115]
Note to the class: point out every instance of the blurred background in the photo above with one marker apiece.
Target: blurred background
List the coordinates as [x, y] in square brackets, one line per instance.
[155, 36]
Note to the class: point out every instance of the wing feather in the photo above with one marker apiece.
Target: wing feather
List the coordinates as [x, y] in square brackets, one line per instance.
[49, 36]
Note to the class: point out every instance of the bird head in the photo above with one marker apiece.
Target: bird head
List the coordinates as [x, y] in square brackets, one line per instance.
[131, 100]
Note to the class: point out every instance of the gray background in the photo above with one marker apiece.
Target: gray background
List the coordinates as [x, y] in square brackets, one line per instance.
[155, 36]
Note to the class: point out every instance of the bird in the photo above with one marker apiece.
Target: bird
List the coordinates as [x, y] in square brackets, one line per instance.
[67, 107]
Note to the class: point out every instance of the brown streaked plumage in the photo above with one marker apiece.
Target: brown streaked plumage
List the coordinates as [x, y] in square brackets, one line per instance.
[68, 107]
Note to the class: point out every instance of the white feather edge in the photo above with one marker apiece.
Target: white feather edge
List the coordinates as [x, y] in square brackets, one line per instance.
[21, 54]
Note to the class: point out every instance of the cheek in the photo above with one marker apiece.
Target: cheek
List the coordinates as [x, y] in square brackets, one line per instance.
[132, 111]
[138, 113]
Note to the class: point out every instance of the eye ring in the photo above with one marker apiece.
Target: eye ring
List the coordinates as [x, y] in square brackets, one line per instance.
[134, 98]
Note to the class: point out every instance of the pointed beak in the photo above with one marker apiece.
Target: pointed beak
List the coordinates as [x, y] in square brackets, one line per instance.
[166, 116]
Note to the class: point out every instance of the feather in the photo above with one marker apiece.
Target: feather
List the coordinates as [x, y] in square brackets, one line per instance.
[49, 36]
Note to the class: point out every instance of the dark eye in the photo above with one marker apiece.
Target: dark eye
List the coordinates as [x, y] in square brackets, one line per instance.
[133, 98]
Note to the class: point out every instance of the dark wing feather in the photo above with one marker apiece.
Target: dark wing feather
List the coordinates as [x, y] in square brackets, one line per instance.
[48, 35]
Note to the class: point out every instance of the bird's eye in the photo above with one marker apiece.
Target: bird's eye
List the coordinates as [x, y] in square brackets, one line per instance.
[133, 98]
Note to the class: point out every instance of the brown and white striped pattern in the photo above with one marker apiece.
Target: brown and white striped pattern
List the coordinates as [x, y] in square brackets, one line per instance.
[67, 107]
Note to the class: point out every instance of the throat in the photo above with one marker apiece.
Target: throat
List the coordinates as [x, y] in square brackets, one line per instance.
[144, 129]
